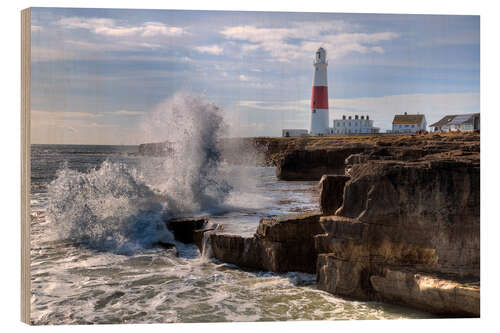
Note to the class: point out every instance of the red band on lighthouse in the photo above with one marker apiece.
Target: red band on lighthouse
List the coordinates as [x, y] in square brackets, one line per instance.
[319, 99]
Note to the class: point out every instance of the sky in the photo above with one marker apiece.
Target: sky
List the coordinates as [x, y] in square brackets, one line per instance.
[97, 73]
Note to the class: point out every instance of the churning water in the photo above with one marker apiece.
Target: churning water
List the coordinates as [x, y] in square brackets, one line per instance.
[97, 212]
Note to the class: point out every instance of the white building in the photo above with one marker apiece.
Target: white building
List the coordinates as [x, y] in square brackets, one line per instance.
[293, 132]
[409, 123]
[358, 125]
[461, 122]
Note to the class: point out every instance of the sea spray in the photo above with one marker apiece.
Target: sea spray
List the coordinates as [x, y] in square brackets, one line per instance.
[206, 246]
[191, 177]
[108, 208]
[121, 208]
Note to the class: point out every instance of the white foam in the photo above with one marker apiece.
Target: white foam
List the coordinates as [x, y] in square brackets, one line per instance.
[119, 208]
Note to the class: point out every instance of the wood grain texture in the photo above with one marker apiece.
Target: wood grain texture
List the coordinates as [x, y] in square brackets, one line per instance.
[25, 164]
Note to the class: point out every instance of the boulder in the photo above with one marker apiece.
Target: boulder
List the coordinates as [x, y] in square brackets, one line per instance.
[183, 228]
[281, 244]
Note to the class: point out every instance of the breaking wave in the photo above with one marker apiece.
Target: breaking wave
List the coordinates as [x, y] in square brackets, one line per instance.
[121, 208]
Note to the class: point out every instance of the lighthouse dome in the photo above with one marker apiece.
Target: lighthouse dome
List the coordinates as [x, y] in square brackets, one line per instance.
[320, 55]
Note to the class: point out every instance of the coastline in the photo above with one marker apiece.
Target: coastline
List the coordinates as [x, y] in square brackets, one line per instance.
[400, 220]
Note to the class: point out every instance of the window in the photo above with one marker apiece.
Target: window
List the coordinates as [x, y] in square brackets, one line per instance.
[349, 125]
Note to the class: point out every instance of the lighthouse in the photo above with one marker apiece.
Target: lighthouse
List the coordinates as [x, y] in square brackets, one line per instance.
[319, 98]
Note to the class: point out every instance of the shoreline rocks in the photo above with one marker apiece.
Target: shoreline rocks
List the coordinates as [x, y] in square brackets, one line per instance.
[406, 231]
[281, 244]
[313, 164]
[332, 193]
[399, 222]
[183, 228]
[429, 293]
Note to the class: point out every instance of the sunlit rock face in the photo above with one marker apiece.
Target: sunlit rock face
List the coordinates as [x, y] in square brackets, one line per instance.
[404, 216]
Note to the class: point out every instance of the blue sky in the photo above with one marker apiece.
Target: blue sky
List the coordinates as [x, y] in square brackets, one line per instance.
[97, 72]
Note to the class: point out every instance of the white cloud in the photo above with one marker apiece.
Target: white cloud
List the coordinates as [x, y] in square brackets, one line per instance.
[127, 113]
[107, 35]
[250, 47]
[244, 78]
[211, 49]
[336, 36]
[276, 106]
[109, 27]
[64, 114]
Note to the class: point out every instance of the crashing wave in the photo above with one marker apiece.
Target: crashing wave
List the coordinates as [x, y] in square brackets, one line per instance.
[119, 208]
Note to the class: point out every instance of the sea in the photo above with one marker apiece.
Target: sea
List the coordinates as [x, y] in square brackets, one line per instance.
[98, 210]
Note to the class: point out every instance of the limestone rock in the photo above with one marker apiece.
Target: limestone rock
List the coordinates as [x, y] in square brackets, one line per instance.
[313, 164]
[332, 192]
[281, 244]
[429, 293]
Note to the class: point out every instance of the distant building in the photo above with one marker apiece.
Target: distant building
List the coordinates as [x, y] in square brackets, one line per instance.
[358, 125]
[408, 123]
[294, 132]
[460, 122]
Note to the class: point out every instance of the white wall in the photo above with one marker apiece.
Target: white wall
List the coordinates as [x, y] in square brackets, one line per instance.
[352, 126]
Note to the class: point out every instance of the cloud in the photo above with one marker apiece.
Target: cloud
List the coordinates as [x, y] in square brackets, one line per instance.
[109, 27]
[275, 106]
[253, 82]
[303, 38]
[64, 114]
[127, 113]
[36, 28]
[244, 78]
[46, 54]
[211, 49]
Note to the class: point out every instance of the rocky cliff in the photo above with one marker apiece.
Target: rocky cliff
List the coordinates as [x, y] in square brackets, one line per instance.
[399, 222]
[405, 227]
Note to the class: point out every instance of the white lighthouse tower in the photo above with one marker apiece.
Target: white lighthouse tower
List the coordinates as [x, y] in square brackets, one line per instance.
[319, 98]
